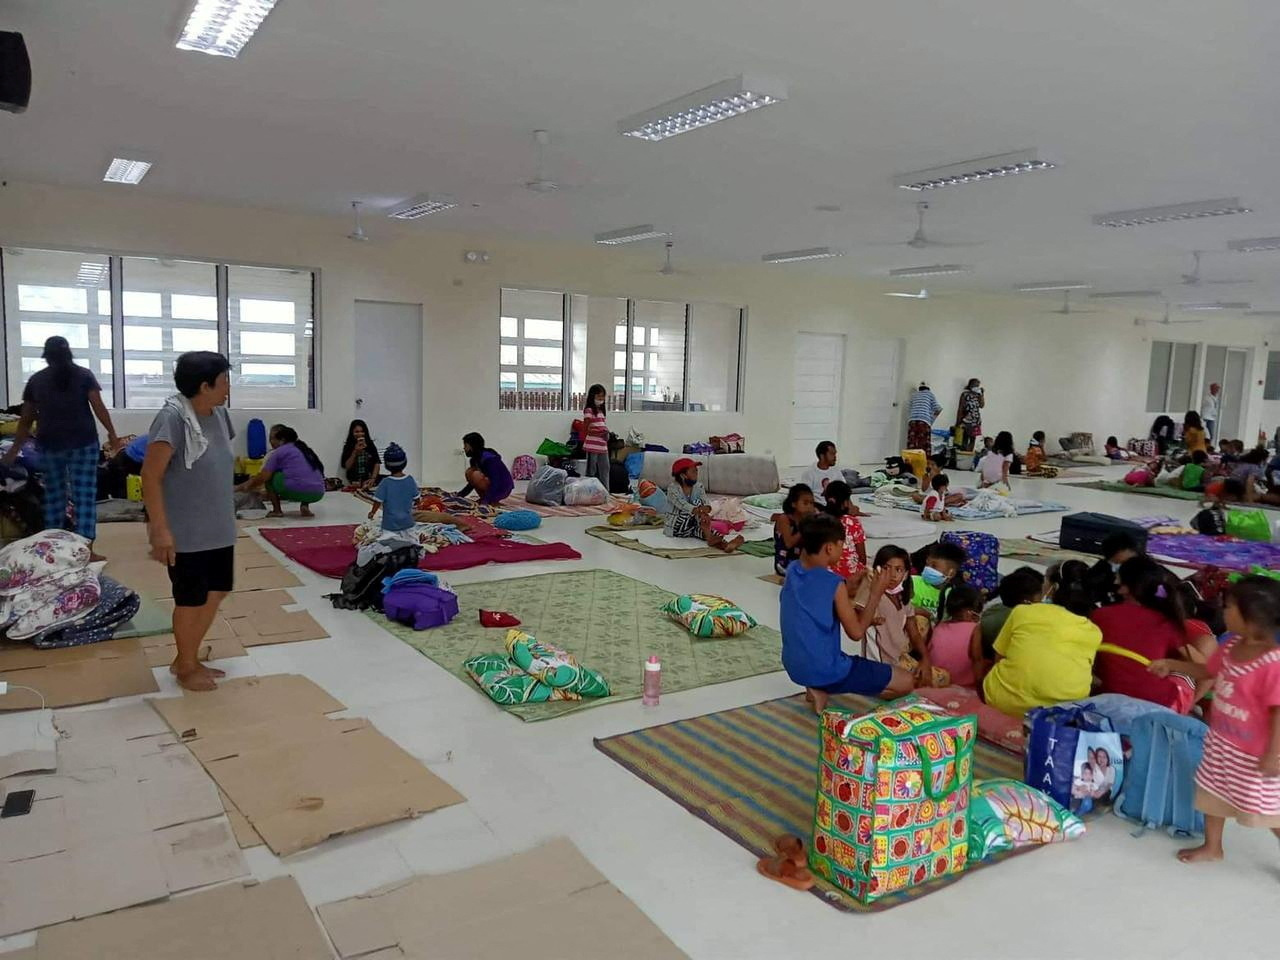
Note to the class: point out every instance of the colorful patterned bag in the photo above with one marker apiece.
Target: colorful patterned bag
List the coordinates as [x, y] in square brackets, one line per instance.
[523, 467]
[1143, 448]
[891, 810]
[982, 558]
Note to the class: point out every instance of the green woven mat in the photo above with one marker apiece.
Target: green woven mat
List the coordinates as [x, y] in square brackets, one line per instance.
[1159, 490]
[752, 548]
[608, 621]
[1032, 551]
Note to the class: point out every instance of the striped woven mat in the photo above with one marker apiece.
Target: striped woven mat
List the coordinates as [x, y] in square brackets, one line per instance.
[751, 773]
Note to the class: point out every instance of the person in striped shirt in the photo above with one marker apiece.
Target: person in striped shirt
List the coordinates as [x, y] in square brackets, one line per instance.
[1239, 773]
[595, 434]
[922, 411]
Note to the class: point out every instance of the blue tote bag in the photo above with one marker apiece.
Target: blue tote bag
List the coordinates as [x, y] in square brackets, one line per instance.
[1075, 756]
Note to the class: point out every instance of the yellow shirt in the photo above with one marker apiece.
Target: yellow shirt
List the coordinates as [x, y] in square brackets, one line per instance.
[1048, 657]
[1193, 439]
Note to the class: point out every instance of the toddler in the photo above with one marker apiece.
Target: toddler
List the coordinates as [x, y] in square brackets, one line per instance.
[853, 556]
[786, 527]
[395, 494]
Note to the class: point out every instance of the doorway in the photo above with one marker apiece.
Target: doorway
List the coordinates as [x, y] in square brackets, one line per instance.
[1227, 366]
[879, 375]
[388, 375]
[817, 394]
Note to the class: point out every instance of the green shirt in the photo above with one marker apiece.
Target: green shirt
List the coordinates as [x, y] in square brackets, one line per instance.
[1192, 476]
[924, 597]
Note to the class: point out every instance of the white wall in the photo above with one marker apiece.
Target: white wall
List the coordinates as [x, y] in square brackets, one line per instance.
[1041, 370]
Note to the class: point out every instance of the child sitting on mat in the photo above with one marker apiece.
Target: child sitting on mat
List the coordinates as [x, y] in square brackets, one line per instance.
[815, 607]
[956, 644]
[934, 506]
[853, 557]
[395, 494]
[900, 638]
[786, 527]
[1036, 455]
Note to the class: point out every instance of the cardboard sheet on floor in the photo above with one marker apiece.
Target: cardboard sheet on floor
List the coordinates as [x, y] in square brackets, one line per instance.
[128, 817]
[243, 830]
[74, 675]
[219, 644]
[27, 742]
[233, 922]
[548, 903]
[259, 618]
[298, 776]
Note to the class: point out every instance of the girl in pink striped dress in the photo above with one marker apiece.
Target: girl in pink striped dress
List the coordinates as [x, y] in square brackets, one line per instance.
[1239, 774]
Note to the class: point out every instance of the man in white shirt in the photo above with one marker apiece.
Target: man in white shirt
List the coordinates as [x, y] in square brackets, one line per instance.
[1209, 411]
[818, 476]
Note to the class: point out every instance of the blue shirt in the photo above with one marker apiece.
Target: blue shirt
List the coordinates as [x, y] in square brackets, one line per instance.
[137, 449]
[811, 652]
[924, 406]
[396, 494]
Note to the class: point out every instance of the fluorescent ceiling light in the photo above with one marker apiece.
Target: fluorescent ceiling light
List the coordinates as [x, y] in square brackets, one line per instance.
[1215, 305]
[794, 256]
[938, 269]
[91, 274]
[720, 101]
[1262, 313]
[1052, 285]
[922, 295]
[1255, 245]
[631, 235]
[423, 205]
[1169, 214]
[221, 28]
[973, 171]
[1125, 295]
[120, 170]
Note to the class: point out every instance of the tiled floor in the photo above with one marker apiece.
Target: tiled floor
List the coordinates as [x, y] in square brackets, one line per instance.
[1110, 893]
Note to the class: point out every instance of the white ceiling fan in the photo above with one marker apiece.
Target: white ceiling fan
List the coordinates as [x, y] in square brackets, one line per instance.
[1066, 309]
[667, 269]
[1193, 279]
[920, 240]
[545, 182]
[357, 234]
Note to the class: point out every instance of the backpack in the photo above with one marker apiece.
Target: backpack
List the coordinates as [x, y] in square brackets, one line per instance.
[982, 559]
[1211, 521]
[619, 478]
[523, 467]
[362, 584]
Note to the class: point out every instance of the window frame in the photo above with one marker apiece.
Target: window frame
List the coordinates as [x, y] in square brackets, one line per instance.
[115, 260]
[1197, 362]
[520, 341]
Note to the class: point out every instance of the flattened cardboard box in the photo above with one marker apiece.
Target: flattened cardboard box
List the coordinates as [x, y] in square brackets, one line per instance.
[297, 776]
[500, 909]
[267, 921]
[74, 675]
[129, 817]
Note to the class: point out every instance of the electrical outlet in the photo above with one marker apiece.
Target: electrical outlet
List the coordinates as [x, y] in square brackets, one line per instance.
[4, 688]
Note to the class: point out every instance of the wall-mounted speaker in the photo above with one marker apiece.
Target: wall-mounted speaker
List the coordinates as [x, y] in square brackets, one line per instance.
[15, 73]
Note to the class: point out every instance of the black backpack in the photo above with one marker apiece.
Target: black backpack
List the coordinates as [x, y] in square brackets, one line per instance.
[362, 585]
[1211, 521]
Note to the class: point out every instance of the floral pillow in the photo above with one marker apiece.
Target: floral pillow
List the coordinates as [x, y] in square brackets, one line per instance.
[51, 603]
[705, 615]
[50, 553]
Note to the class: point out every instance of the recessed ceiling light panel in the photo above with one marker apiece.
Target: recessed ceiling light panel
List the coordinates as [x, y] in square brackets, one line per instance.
[1170, 214]
[1215, 305]
[936, 270]
[221, 28]
[720, 101]
[974, 171]
[794, 256]
[644, 231]
[1125, 295]
[1256, 245]
[423, 205]
[122, 170]
[1052, 285]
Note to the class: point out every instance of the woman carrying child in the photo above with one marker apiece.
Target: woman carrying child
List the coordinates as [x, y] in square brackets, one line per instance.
[815, 608]
[853, 555]
[1239, 773]
[786, 527]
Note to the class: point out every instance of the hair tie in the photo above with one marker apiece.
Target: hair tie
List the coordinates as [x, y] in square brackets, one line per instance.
[1161, 592]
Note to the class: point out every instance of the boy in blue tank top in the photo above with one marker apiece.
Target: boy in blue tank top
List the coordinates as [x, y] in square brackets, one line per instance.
[815, 607]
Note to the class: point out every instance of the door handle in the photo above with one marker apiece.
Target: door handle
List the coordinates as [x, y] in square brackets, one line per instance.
[359, 401]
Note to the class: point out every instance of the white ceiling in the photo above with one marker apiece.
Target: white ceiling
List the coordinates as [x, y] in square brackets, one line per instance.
[1141, 102]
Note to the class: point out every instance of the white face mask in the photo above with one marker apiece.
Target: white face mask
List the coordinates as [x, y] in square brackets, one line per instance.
[894, 591]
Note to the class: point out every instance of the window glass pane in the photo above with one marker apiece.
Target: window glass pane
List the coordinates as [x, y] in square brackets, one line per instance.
[104, 336]
[1181, 376]
[258, 296]
[104, 303]
[663, 383]
[48, 293]
[1158, 375]
[620, 360]
[153, 288]
[188, 306]
[620, 333]
[531, 322]
[1272, 389]
[713, 356]
[637, 359]
[508, 355]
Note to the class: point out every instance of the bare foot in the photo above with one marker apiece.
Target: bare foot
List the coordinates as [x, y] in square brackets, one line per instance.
[817, 699]
[305, 511]
[197, 680]
[274, 515]
[202, 668]
[729, 546]
[1202, 853]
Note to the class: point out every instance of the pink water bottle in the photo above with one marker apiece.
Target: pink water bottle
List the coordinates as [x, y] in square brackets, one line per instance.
[652, 682]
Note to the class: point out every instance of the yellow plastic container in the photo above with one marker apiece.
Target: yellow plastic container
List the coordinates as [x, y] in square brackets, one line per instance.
[250, 467]
[133, 488]
[917, 461]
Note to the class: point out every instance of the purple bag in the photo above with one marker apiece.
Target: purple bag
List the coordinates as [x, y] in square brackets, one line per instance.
[420, 605]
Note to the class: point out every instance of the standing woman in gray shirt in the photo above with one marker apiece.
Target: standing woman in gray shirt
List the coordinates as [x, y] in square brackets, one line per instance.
[187, 484]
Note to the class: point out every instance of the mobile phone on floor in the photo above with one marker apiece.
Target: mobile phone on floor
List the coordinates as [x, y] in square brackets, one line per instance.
[18, 803]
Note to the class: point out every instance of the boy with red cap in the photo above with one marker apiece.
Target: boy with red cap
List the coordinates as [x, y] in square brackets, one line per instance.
[689, 514]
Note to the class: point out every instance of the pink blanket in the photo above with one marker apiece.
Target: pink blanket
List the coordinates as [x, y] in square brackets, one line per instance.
[328, 550]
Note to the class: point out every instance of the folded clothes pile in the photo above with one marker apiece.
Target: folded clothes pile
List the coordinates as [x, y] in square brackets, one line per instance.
[52, 596]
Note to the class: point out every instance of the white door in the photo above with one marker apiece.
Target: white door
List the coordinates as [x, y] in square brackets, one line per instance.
[879, 374]
[388, 369]
[815, 405]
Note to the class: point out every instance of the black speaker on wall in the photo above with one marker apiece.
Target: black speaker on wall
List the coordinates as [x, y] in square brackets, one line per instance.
[15, 73]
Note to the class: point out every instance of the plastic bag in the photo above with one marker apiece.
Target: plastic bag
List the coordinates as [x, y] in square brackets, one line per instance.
[548, 487]
[1075, 756]
[1248, 525]
[587, 492]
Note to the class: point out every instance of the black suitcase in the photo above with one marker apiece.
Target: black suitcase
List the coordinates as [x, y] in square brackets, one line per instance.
[1086, 531]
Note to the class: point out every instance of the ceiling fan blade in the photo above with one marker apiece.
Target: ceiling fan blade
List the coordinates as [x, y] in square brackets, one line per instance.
[1228, 283]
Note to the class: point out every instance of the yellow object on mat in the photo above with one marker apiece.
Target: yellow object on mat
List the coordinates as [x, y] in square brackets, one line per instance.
[916, 460]
[133, 488]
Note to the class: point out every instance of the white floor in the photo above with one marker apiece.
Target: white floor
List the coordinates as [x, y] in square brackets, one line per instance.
[1110, 894]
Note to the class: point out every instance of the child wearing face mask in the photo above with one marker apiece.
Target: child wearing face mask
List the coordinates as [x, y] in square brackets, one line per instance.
[899, 637]
[938, 565]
